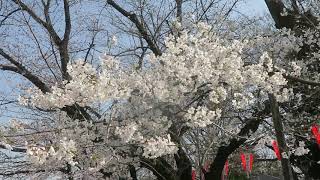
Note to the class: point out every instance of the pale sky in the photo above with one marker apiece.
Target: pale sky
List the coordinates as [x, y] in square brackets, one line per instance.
[253, 7]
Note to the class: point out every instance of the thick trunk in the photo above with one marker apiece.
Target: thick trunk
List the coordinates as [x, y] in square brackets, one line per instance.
[133, 172]
[64, 58]
[276, 8]
[179, 10]
[184, 167]
[295, 19]
[216, 167]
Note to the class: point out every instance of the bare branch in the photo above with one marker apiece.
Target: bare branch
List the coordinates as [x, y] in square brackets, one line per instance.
[292, 78]
[20, 69]
[13, 149]
[46, 25]
[8, 15]
[142, 30]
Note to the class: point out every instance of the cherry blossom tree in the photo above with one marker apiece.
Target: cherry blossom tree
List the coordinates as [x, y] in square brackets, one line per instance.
[199, 91]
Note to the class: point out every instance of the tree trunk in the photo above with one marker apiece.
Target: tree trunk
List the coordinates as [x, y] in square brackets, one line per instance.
[184, 167]
[133, 172]
[278, 127]
[216, 168]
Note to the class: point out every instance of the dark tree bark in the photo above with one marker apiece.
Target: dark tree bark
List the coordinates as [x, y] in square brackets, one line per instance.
[216, 168]
[278, 127]
[295, 20]
[133, 172]
[184, 167]
[276, 8]
[179, 10]
[21, 69]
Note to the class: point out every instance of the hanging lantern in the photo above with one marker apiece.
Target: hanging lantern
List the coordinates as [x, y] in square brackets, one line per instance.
[193, 174]
[250, 162]
[205, 169]
[226, 168]
[316, 134]
[206, 166]
[315, 130]
[243, 161]
[276, 149]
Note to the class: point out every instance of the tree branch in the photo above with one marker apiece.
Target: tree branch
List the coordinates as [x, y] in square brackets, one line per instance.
[13, 149]
[8, 15]
[67, 30]
[46, 25]
[292, 78]
[134, 19]
[20, 69]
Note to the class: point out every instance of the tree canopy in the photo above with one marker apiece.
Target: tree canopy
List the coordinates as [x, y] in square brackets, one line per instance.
[158, 89]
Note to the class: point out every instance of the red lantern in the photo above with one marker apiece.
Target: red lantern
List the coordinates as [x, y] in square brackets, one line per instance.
[251, 162]
[226, 168]
[243, 161]
[316, 134]
[276, 149]
[193, 175]
[205, 169]
[206, 166]
[315, 130]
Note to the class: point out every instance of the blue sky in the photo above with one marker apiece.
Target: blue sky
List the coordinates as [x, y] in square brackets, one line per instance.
[253, 7]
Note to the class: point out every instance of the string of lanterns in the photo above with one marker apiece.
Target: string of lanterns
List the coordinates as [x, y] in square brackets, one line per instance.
[314, 130]
[244, 162]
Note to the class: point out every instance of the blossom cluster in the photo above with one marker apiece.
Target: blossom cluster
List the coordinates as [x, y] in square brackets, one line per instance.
[65, 151]
[187, 86]
[158, 146]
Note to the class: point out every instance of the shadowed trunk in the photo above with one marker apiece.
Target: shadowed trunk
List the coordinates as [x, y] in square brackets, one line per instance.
[278, 127]
[224, 151]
